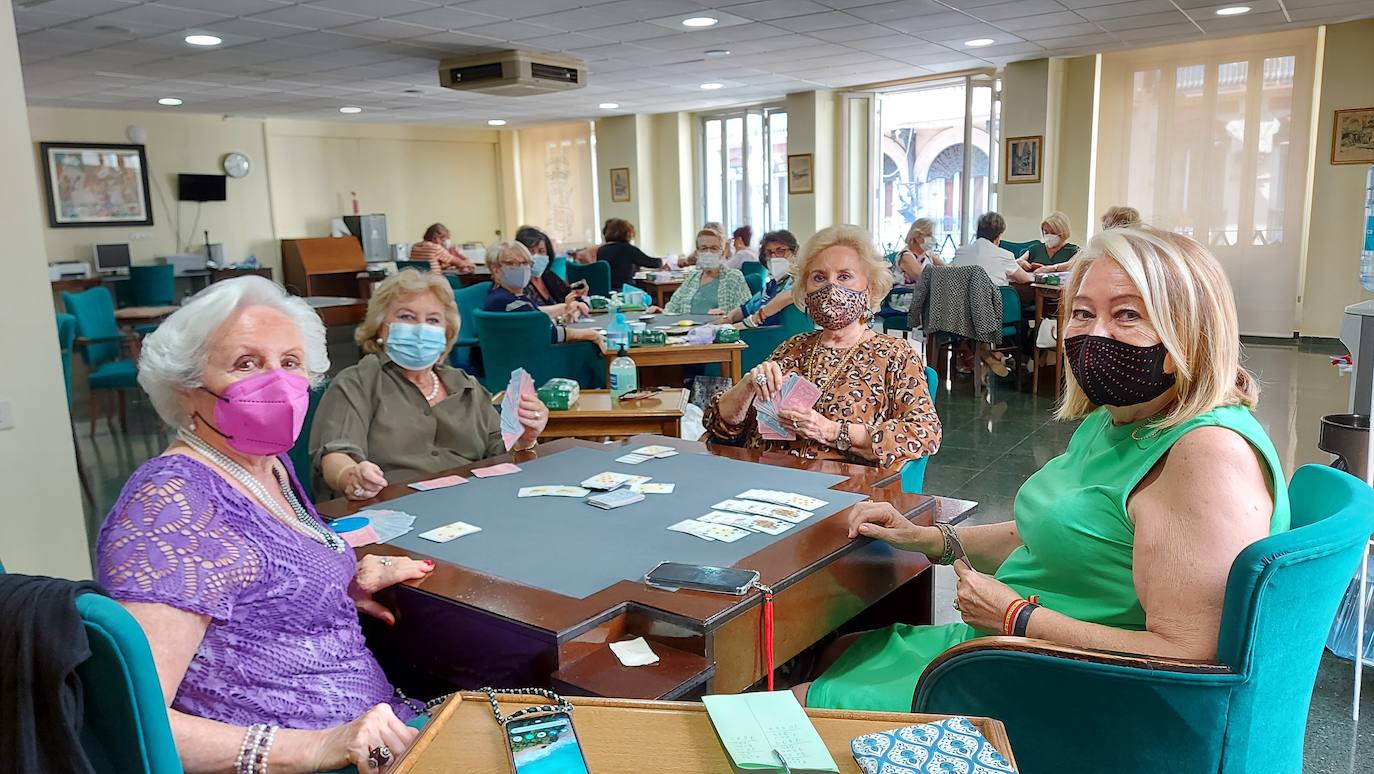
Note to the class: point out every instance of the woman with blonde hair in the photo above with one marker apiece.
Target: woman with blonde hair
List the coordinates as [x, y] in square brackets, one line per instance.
[1123, 542]
[921, 250]
[874, 407]
[1119, 216]
[1053, 252]
[403, 413]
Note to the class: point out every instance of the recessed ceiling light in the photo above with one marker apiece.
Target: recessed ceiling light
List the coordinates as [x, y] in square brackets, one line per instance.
[496, 122]
[716, 53]
[350, 109]
[700, 21]
[203, 40]
[979, 42]
[712, 86]
[609, 105]
[1233, 10]
[169, 101]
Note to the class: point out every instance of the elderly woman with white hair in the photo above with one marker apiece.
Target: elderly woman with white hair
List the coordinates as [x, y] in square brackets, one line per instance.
[512, 271]
[249, 601]
[1123, 543]
[921, 250]
[874, 407]
[403, 413]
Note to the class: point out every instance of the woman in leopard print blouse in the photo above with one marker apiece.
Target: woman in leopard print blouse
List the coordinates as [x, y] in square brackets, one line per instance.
[873, 406]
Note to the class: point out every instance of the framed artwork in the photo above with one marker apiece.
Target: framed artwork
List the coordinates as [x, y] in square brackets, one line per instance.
[1352, 136]
[96, 184]
[1024, 156]
[620, 184]
[799, 176]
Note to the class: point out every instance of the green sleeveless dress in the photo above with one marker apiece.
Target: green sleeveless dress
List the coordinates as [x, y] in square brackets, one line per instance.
[1076, 553]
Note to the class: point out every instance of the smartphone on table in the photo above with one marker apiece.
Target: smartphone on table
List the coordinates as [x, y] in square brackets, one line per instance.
[701, 577]
[545, 744]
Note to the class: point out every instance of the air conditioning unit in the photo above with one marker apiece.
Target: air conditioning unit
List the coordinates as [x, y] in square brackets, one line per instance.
[512, 73]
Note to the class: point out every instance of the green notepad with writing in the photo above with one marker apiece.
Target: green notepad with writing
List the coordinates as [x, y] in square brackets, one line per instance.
[757, 728]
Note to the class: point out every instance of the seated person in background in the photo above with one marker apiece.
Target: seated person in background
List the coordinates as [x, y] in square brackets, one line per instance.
[437, 248]
[984, 251]
[691, 258]
[779, 249]
[1124, 542]
[545, 287]
[921, 250]
[1054, 251]
[1120, 217]
[403, 413]
[625, 259]
[874, 406]
[585, 255]
[714, 286]
[739, 242]
[511, 269]
[249, 602]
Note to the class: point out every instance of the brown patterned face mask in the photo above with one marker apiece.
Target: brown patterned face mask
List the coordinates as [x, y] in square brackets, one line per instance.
[835, 306]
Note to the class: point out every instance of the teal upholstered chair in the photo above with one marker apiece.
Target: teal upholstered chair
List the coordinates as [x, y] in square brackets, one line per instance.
[66, 342]
[1017, 249]
[753, 267]
[300, 450]
[755, 282]
[1073, 710]
[893, 318]
[559, 266]
[153, 285]
[914, 471]
[103, 350]
[512, 340]
[416, 265]
[597, 274]
[762, 341]
[469, 300]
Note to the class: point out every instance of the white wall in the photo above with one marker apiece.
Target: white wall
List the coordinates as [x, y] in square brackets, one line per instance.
[42, 528]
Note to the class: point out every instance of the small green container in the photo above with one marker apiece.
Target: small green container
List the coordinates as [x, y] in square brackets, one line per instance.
[726, 335]
[648, 339]
[560, 394]
[599, 302]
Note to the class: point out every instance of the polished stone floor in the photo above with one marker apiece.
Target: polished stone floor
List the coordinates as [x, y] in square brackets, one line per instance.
[991, 445]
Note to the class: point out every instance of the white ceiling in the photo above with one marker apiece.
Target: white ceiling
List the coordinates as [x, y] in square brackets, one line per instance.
[305, 60]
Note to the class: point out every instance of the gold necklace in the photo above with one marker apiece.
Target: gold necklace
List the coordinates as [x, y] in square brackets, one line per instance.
[824, 383]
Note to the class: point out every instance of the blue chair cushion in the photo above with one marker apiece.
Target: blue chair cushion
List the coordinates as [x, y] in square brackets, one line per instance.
[115, 375]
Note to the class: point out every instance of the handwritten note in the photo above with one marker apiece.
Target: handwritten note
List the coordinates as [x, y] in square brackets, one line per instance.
[754, 725]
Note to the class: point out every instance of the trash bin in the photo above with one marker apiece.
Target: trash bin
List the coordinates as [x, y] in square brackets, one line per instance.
[1347, 437]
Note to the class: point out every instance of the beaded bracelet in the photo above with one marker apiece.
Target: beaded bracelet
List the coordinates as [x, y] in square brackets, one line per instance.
[257, 743]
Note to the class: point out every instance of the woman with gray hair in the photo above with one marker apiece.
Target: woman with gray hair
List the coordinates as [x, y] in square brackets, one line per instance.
[921, 250]
[249, 601]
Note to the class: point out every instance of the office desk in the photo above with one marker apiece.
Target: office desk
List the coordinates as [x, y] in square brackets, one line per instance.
[195, 280]
[338, 310]
[460, 628]
[1046, 300]
[597, 415]
[620, 736]
[727, 355]
[660, 291]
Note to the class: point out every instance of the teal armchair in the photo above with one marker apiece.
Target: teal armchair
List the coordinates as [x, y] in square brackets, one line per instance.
[762, 341]
[1018, 249]
[301, 459]
[102, 349]
[914, 471]
[469, 300]
[1074, 710]
[66, 342]
[512, 340]
[597, 274]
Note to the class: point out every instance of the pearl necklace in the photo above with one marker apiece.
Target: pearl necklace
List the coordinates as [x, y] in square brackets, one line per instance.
[434, 391]
[302, 522]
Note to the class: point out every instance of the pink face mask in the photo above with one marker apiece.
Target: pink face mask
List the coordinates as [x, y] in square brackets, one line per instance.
[263, 414]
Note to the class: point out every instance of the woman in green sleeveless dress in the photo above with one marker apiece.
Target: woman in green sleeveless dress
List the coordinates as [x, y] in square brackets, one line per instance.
[1124, 541]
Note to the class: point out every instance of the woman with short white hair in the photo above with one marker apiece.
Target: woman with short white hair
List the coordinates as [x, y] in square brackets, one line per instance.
[921, 250]
[874, 407]
[249, 601]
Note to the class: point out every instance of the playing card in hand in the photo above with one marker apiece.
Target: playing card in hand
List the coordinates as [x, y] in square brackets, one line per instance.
[521, 384]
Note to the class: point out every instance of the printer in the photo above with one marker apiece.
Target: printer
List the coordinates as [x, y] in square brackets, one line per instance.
[65, 270]
[184, 263]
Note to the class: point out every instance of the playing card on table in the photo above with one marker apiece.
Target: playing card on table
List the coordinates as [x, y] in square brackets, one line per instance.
[692, 527]
[763, 524]
[438, 483]
[655, 451]
[632, 459]
[783, 512]
[534, 491]
[450, 532]
[783, 498]
[615, 499]
[568, 491]
[504, 469]
[724, 532]
[608, 480]
[361, 537]
[648, 488]
[521, 384]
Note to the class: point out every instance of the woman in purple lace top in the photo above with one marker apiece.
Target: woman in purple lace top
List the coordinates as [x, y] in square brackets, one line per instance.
[249, 602]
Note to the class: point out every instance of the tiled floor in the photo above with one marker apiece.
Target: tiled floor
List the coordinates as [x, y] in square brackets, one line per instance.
[991, 445]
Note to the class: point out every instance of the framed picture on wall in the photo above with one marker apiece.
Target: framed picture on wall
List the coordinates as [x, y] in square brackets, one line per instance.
[620, 184]
[1352, 136]
[799, 177]
[96, 184]
[1024, 155]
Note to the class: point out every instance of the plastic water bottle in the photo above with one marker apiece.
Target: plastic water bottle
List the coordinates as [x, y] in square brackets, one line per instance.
[1367, 253]
[624, 374]
[618, 332]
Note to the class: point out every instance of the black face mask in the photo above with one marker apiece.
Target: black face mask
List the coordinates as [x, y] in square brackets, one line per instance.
[1114, 373]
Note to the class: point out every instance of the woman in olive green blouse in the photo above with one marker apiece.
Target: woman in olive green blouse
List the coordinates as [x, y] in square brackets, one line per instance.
[1053, 252]
[402, 413]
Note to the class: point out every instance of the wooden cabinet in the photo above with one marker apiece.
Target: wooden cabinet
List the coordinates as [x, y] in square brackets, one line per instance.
[325, 266]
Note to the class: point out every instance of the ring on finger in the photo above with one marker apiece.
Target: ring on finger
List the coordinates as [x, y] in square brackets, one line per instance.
[386, 562]
[357, 491]
[760, 379]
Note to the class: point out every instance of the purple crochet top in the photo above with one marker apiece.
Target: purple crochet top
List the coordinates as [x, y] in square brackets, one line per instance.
[283, 644]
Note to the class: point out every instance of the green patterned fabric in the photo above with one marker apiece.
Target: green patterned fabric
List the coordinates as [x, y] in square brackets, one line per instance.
[729, 290]
[1076, 553]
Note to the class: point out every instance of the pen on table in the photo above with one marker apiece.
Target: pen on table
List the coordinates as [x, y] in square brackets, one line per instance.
[783, 761]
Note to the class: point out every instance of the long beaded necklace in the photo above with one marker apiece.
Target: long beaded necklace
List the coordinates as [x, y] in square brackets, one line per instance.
[302, 522]
[824, 382]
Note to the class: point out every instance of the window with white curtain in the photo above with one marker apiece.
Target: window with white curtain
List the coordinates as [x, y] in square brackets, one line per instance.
[1212, 141]
[744, 169]
[557, 175]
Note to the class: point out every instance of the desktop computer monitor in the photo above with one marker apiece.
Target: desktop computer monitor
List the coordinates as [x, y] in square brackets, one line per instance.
[112, 258]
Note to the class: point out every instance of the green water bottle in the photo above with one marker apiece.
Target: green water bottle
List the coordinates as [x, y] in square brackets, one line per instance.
[624, 375]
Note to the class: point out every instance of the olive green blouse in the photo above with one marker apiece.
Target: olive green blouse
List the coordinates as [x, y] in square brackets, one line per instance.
[372, 412]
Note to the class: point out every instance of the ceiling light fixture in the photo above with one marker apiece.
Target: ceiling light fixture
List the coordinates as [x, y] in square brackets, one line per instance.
[700, 21]
[203, 40]
[712, 86]
[716, 53]
[979, 42]
[496, 122]
[169, 101]
[1233, 10]
[350, 109]
[609, 105]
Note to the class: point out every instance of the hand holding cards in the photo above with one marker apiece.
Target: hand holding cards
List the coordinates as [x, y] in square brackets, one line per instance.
[797, 394]
[521, 385]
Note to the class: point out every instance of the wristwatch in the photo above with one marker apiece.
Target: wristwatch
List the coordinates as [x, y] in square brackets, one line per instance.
[842, 441]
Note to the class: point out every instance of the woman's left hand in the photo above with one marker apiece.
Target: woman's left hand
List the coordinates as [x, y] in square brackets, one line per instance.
[981, 599]
[379, 572]
[808, 423]
[534, 416]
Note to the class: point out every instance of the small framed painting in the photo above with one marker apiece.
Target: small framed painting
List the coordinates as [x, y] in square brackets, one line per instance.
[799, 176]
[1352, 136]
[96, 184]
[620, 184]
[1024, 156]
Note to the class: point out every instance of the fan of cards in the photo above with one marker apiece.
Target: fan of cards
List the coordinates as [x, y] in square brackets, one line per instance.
[797, 394]
[756, 510]
[521, 384]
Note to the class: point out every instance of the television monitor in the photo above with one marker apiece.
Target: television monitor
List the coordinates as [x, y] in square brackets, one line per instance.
[112, 257]
[200, 188]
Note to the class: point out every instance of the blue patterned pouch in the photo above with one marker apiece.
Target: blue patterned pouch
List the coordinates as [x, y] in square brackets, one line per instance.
[950, 746]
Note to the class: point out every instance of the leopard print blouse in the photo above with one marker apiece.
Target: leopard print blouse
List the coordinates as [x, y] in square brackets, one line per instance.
[883, 386]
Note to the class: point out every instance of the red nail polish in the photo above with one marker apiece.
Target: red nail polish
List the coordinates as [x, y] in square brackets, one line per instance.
[390, 621]
[429, 562]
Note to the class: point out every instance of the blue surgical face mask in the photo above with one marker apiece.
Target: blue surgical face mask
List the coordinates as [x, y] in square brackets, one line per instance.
[415, 347]
[541, 265]
[516, 277]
